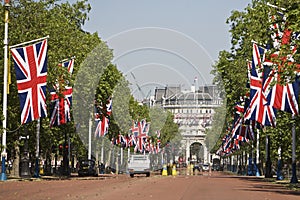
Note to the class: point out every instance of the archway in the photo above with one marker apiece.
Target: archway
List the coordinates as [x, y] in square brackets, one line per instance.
[197, 152]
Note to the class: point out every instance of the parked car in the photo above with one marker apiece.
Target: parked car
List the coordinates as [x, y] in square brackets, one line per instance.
[87, 168]
[205, 167]
[216, 167]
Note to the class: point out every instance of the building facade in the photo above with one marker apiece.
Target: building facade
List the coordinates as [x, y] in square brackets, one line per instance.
[193, 111]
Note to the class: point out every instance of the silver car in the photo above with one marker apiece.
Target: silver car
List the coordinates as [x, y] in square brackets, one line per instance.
[205, 167]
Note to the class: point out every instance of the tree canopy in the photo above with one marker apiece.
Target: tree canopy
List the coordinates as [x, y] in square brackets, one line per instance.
[94, 76]
[253, 25]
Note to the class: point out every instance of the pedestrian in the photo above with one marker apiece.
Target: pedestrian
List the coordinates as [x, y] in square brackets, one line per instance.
[10, 164]
[101, 168]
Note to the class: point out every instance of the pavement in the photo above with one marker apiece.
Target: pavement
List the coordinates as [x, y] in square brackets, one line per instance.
[56, 177]
[206, 185]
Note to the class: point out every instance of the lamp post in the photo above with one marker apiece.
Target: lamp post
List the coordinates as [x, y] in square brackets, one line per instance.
[25, 172]
[268, 159]
[294, 178]
[5, 74]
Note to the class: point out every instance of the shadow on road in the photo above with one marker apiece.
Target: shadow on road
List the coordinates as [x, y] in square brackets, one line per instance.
[261, 184]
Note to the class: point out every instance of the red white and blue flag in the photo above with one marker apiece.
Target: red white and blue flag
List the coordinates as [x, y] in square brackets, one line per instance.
[242, 132]
[142, 136]
[282, 96]
[69, 65]
[30, 65]
[135, 129]
[109, 106]
[61, 103]
[102, 127]
[132, 141]
[61, 107]
[258, 109]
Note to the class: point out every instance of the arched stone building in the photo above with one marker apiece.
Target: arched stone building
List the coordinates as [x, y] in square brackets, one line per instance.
[193, 111]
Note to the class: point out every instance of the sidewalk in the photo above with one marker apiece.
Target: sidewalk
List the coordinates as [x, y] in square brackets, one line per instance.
[56, 177]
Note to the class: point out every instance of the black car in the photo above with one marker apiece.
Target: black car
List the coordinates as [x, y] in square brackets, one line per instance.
[87, 168]
[216, 168]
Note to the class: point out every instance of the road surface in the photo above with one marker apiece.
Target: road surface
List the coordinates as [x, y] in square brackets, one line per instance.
[208, 186]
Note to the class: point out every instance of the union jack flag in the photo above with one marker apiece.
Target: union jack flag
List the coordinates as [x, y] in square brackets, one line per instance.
[61, 103]
[227, 144]
[102, 127]
[143, 129]
[134, 129]
[242, 132]
[122, 140]
[282, 97]
[132, 141]
[157, 148]
[61, 107]
[109, 106]
[258, 109]
[69, 64]
[278, 22]
[30, 65]
[158, 134]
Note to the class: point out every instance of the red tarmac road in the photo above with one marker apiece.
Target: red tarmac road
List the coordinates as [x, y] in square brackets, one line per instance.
[201, 187]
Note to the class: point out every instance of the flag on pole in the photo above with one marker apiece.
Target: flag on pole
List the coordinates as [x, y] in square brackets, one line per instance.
[30, 63]
[61, 98]
[134, 129]
[102, 127]
[281, 96]
[143, 134]
[61, 107]
[258, 110]
[109, 106]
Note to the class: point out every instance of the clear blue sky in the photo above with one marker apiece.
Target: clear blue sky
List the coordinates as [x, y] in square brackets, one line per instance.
[164, 42]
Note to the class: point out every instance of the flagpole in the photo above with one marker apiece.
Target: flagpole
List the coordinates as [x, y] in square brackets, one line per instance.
[66, 59]
[273, 6]
[37, 162]
[257, 153]
[4, 154]
[90, 139]
[27, 42]
[268, 173]
[102, 150]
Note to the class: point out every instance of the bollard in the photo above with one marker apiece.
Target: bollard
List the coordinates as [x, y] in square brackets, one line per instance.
[164, 171]
[174, 172]
[41, 170]
[192, 169]
[188, 170]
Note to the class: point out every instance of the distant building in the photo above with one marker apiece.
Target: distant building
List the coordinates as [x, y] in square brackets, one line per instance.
[193, 111]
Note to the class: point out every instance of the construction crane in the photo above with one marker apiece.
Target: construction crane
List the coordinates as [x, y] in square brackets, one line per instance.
[137, 85]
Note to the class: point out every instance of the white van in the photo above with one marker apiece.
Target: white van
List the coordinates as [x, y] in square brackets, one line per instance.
[139, 164]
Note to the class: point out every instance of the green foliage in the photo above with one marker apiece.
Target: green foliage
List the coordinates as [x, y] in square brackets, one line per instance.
[170, 132]
[252, 24]
[29, 20]
[213, 135]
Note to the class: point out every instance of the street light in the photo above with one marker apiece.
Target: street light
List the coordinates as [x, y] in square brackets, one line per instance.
[25, 171]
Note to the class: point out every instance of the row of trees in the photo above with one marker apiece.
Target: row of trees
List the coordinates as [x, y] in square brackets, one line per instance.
[94, 77]
[230, 71]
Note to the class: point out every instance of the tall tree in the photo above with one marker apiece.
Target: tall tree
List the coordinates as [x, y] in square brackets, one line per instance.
[253, 24]
[28, 20]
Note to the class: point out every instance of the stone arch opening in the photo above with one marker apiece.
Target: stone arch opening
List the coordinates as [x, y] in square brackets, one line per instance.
[197, 152]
